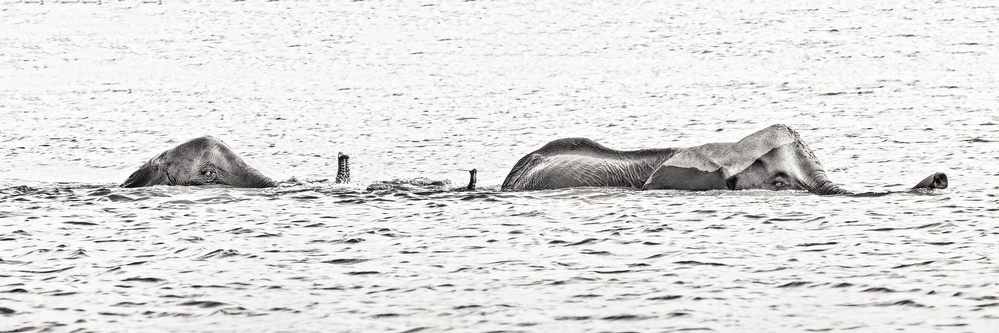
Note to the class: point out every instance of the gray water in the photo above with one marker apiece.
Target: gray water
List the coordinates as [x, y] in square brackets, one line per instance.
[884, 93]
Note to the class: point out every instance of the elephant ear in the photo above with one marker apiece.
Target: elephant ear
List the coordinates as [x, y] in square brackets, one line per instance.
[147, 175]
[687, 170]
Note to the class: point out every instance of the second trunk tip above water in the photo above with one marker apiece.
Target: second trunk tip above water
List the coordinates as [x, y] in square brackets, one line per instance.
[343, 168]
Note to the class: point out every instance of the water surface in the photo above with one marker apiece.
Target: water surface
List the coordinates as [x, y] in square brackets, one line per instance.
[885, 94]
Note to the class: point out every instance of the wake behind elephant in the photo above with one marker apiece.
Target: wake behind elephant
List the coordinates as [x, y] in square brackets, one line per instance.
[774, 158]
[208, 161]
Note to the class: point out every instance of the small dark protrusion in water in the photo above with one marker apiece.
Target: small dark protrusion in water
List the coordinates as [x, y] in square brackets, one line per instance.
[343, 168]
[471, 179]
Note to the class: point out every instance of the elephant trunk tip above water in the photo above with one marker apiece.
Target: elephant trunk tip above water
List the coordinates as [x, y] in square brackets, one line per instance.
[343, 168]
[471, 179]
[774, 158]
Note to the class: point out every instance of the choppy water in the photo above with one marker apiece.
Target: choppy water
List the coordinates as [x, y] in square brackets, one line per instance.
[885, 94]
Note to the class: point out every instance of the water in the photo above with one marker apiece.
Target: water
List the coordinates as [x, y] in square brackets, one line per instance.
[885, 94]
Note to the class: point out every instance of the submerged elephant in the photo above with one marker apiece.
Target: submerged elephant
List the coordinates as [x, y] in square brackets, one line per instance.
[206, 161]
[423, 184]
[773, 158]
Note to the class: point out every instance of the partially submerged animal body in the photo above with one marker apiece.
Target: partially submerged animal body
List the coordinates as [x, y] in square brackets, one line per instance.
[421, 184]
[201, 161]
[208, 161]
[774, 158]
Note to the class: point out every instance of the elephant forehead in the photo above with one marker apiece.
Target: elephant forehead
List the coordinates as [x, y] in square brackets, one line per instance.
[766, 142]
[184, 159]
[742, 157]
[184, 154]
[734, 157]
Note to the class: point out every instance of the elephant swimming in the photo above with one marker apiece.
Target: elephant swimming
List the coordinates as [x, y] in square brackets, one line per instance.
[209, 161]
[423, 184]
[774, 158]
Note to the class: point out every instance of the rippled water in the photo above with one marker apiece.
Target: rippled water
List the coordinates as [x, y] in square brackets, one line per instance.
[885, 94]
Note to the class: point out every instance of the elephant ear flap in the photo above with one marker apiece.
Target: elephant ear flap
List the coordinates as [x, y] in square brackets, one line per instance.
[147, 175]
[687, 171]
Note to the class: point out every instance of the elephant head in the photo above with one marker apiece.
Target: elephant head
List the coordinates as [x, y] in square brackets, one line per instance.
[202, 161]
[774, 158]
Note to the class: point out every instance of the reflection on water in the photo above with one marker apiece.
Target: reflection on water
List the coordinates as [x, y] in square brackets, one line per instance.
[884, 95]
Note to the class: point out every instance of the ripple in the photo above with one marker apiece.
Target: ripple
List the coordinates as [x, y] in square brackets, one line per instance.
[614, 272]
[203, 304]
[50, 271]
[877, 290]
[219, 254]
[794, 284]
[816, 244]
[144, 279]
[665, 298]
[694, 262]
[915, 264]
[584, 242]
[627, 317]
[80, 223]
[904, 303]
[345, 261]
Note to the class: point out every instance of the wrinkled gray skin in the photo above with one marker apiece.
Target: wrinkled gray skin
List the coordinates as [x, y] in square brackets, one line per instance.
[202, 161]
[774, 158]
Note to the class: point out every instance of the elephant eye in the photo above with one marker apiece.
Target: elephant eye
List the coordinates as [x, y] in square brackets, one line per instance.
[779, 183]
[207, 173]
